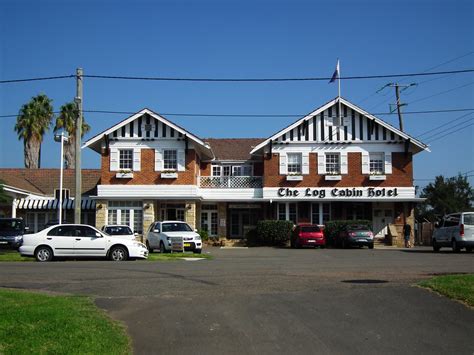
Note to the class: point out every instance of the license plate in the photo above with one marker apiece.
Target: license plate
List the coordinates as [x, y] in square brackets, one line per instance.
[311, 241]
[2, 242]
[361, 240]
[187, 244]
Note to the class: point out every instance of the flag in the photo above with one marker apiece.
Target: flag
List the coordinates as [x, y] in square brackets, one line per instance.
[336, 73]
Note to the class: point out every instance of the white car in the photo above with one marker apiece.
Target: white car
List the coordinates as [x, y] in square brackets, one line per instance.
[119, 231]
[79, 240]
[456, 231]
[159, 236]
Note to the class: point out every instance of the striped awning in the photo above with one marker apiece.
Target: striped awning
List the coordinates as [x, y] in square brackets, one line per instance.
[45, 204]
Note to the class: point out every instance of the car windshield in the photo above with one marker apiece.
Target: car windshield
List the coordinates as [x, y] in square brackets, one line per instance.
[10, 225]
[357, 227]
[118, 231]
[469, 219]
[176, 227]
[309, 229]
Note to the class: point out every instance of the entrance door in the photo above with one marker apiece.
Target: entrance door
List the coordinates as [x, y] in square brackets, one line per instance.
[381, 219]
[242, 221]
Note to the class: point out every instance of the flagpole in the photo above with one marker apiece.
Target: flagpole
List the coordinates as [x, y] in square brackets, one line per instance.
[339, 90]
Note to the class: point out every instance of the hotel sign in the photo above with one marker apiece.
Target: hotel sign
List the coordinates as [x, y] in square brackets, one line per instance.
[340, 193]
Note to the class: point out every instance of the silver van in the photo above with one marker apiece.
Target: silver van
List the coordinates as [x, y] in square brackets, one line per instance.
[456, 231]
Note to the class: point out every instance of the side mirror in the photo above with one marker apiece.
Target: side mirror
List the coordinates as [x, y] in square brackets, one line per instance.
[98, 235]
[195, 230]
[156, 231]
[135, 234]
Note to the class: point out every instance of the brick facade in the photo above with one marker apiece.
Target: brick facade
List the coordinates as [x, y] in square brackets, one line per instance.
[147, 174]
[402, 173]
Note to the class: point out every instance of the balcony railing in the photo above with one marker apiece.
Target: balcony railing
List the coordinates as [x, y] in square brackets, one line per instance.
[230, 182]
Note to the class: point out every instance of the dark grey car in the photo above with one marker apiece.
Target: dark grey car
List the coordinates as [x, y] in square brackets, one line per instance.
[11, 232]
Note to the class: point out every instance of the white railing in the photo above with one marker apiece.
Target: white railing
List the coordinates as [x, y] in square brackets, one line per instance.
[230, 182]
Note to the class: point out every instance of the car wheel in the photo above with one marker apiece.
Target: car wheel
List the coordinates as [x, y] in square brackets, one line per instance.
[43, 254]
[119, 253]
[162, 248]
[436, 247]
[150, 249]
[371, 246]
[197, 251]
[455, 246]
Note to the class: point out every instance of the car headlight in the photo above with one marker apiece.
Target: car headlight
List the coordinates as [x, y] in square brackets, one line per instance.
[198, 237]
[18, 237]
[138, 244]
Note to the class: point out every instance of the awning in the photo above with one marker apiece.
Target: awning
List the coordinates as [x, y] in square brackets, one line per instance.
[45, 204]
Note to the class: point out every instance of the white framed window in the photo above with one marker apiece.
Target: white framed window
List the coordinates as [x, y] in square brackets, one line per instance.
[320, 212]
[226, 170]
[288, 211]
[126, 159]
[294, 163]
[333, 163]
[241, 170]
[170, 159]
[216, 170]
[376, 163]
[129, 213]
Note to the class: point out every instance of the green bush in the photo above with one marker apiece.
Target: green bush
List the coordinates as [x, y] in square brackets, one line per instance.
[333, 228]
[272, 232]
[204, 234]
[252, 238]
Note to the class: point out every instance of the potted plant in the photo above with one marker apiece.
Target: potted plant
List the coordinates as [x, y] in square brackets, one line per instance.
[294, 176]
[377, 176]
[169, 174]
[332, 176]
[124, 174]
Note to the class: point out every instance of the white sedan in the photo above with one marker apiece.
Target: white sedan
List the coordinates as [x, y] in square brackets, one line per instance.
[119, 231]
[79, 240]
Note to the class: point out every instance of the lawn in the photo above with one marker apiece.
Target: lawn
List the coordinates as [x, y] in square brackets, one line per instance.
[33, 323]
[13, 255]
[175, 256]
[459, 287]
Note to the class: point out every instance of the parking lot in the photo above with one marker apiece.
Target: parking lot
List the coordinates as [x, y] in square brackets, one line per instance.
[270, 300]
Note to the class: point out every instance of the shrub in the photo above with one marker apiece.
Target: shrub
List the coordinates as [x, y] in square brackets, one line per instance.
[204, 234]
[272, 232]
[252, 238]
[333, 228]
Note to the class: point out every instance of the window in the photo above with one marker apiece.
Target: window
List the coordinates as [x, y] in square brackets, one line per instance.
[376, 163]
[333, 163]
[287, 211]
[216, 170]
[170, 159]
[66, 194]
[126, 159]
[281, 211]
[85, 232]
[320, 213]
[129, 213]
[292, 212]
[294, 163]
[226, 170]
[63, 231]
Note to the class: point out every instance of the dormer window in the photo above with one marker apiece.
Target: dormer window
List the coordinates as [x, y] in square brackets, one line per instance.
[126, 159]
[170, 159]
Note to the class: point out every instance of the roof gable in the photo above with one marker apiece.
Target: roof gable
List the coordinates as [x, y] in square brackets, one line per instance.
[145, 125]
[359, 126]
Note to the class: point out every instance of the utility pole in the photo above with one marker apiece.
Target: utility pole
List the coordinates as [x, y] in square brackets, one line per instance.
[78, 100]
[399, 104]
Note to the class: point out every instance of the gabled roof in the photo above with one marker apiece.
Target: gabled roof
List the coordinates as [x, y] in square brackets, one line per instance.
[94, 143]
[417, 143]
[45, 181]
[233, 149]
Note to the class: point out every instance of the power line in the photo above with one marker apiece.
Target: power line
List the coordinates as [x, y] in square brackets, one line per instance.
[435, 178]
[255, 115]
[236, 79]
[441, 93]
[274, 79]
[449, 133]
[444, 124]
[36, 79]
[456, 125]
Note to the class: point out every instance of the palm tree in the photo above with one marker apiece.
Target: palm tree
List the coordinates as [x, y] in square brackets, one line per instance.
[33, 120]
[67, 121]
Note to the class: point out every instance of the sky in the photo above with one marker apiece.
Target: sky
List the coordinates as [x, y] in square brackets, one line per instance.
[243, 39]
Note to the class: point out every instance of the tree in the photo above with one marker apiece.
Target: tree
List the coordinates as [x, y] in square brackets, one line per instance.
[33, 120]
[67, 121]
[444, 196]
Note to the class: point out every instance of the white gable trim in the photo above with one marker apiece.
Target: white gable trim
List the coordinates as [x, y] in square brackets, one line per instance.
[353, 107]
[137, 115]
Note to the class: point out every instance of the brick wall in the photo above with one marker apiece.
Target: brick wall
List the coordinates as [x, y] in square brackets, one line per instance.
[402, 173]
[147, 174]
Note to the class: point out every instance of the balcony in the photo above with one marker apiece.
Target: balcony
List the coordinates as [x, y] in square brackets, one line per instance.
[230, 182]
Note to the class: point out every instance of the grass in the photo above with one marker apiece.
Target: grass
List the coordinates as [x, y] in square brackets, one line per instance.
[175, 256]
[459, 287]
[33, 323]
[13, 255]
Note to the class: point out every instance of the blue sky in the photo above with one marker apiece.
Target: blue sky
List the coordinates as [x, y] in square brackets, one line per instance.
[241, 39]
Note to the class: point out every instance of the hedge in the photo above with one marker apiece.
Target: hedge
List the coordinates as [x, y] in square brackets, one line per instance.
[333, 228]
[270, 232]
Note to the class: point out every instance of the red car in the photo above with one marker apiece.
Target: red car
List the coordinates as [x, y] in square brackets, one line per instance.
[308, 235]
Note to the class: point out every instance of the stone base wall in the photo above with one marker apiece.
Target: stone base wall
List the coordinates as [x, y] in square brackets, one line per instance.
[190, 214]
[100, 213]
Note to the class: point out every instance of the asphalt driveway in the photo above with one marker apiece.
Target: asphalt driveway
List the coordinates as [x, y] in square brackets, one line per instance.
[267, 301]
